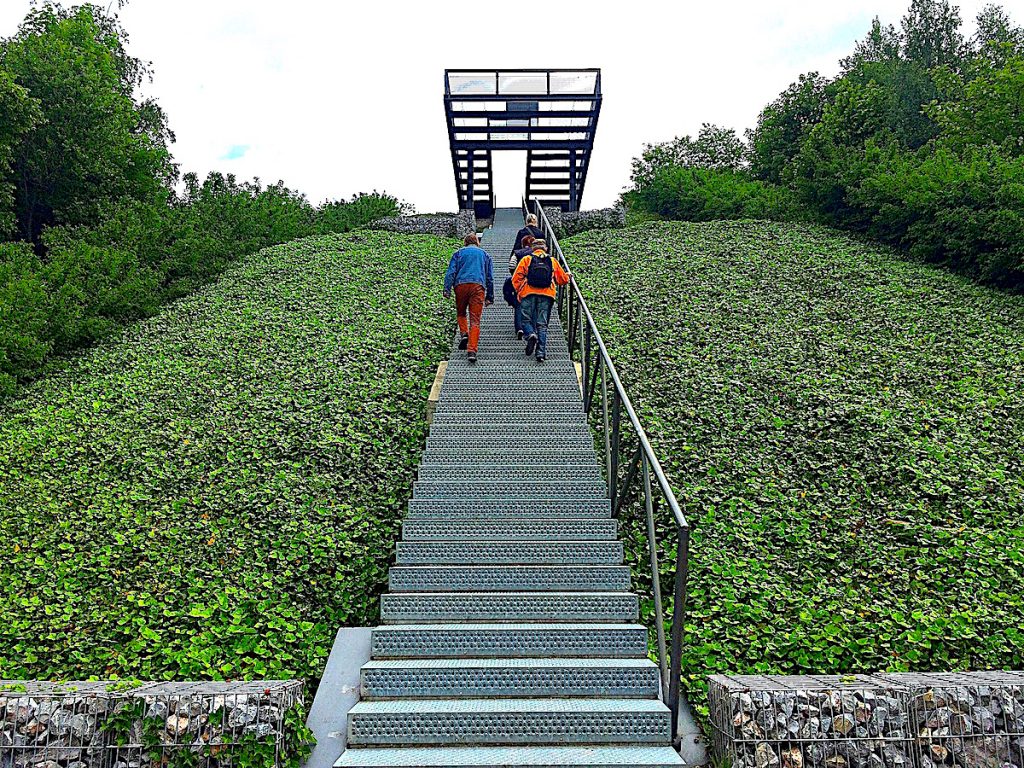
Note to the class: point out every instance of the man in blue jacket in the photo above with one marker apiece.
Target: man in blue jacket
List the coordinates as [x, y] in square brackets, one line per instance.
[471, 275]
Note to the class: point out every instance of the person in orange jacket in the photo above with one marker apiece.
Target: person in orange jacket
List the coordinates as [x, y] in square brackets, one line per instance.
[534, 280]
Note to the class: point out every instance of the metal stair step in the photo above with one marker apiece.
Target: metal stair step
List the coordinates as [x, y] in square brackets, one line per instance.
[515, 607]
[551, 423]
[482, 457]
[509, 721]
[536, 408]
[535, 529]
[513, 678]
[513, 578]
[509, 640]
[438, 489]
[462, 509]
[534, 757]
[512, 444]
[582, 475]
[509, 552]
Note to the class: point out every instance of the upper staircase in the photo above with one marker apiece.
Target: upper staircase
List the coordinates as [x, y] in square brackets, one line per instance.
[510, 632]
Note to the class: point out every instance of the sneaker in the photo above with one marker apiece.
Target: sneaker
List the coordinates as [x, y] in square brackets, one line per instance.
[471, 357]
[464, 342]
[519, 335]
[540, 358]
[531, 344]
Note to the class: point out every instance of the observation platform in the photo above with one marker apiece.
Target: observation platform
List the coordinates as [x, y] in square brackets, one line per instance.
[550, 113]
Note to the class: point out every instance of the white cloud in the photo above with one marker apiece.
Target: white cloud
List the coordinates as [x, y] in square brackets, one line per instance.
[336, 98]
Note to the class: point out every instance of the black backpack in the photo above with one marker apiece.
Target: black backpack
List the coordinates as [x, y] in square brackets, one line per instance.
[540, 271]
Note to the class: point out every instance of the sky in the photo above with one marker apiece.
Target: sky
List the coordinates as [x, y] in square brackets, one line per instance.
[336, 97]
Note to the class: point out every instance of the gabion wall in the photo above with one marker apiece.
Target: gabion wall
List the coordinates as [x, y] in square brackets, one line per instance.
[971, 719]
[857, 721]
[441, 224]
[893, 720]
[109, 725]
[569, 223]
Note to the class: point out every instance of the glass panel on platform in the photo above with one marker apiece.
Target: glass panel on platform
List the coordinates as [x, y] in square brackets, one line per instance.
[573, 82]
[525, 83]
[473, 83]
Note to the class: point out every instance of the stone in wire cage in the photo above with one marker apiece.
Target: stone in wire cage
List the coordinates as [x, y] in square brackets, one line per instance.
[826, 721]
[112, 724]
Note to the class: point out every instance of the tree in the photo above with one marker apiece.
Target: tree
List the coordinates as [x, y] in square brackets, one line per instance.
[715, 148]
[931, 34]
[997, 39]
[988, 109]
[19, 113]
[95, 144]
[881, 44]
[783, 125]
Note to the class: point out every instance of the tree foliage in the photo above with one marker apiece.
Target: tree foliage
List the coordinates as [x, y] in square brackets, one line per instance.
[95, 144]
[715, 148]
[87, 180]
[918, 142]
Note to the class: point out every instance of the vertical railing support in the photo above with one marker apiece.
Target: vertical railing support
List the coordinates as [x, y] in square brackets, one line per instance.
[652, 545]
[604, 432]
[678, 619]
[616, 424]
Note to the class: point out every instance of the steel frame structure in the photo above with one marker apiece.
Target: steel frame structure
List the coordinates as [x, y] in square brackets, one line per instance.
[550, 113]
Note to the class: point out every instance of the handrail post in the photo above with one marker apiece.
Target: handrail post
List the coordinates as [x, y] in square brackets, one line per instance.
[678, 619]
[659, 614]
[616, 424]
[604, 431]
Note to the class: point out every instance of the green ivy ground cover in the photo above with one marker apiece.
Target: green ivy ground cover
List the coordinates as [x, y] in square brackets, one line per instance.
[218, 489]
[845, 430]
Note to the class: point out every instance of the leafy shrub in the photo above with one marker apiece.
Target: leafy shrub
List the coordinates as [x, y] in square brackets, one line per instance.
[24, 308]
[699, 194]
[343, 216]
[216, 490]
[843, 429]
[95, 279]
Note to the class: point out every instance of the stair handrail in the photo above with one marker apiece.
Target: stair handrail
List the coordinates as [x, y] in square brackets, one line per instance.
[584, 336]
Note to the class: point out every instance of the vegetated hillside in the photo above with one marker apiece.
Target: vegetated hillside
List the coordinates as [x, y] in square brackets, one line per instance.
[843, 428]
[213, 492]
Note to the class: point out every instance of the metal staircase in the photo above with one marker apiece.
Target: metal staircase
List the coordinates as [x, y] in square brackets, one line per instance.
[510, 633]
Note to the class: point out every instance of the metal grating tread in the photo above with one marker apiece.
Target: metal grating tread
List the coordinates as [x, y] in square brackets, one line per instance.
[514, 578]
[509, 640]
[535, 757]
[538, 529]
[509, 721]
[437, 489]
[509, 552]
[516, 607]
[484, 457]
[513, 508]
[516, 678]
[560, 473]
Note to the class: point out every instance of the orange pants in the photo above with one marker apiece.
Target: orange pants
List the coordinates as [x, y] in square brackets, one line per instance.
[469, 298]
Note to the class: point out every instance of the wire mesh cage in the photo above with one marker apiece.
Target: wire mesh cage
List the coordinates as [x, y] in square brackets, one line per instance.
[812, 721]
[971, 719]
[111, 725]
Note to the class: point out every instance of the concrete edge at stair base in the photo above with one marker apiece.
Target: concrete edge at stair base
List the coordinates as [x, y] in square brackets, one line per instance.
[337, 694]
[693, 746]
